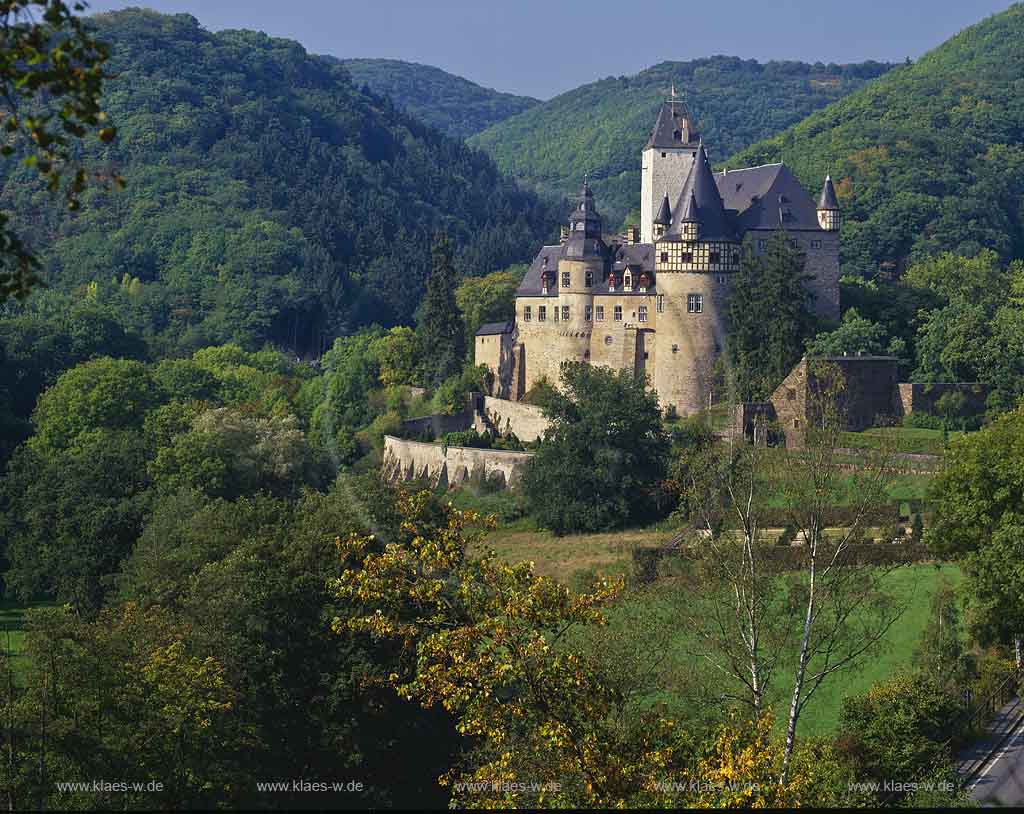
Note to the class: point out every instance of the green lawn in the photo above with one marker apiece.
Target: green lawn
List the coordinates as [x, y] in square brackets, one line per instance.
[903, 439]
[654, 616]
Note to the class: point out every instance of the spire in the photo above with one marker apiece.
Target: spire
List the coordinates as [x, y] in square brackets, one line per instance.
[673, 128]
[585, 224]
[689, 213]
[828, 200]
[700, 202]
[665, 213]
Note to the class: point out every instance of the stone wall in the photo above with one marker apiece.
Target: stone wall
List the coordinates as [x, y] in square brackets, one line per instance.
[414, 460]
[922, 398]
[437, 425]
[524, 420]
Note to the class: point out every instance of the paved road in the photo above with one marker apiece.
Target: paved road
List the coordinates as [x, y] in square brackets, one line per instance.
[1001, 782]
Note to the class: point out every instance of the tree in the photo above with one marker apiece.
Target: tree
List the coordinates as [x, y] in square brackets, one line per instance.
[902, 730]
[739, 611]
[603, 458]
[228, 454]
[769, 318]
[845, 608]
[941, 650]
[492, 643]
[105, 393]
[856, 334]
[51, 74]
[490, 298]
[441, 331]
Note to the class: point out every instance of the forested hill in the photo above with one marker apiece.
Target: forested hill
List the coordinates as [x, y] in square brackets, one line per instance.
[267, 198]
[928, 158]
[450, 103]
[601, 128]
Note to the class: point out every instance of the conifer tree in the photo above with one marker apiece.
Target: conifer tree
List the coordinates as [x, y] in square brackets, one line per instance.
[441, 339]
[769, 318]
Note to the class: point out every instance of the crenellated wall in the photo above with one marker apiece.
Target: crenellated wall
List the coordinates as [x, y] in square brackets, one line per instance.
[414, 460]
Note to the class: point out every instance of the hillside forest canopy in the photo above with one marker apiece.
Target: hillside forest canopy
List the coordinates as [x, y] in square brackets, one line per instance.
[207, 587]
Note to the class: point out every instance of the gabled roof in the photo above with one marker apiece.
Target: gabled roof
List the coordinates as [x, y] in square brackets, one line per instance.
[672, 123]
[767, 197]
[700, 201]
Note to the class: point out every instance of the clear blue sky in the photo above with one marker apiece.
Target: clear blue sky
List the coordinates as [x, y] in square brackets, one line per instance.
[544, 47]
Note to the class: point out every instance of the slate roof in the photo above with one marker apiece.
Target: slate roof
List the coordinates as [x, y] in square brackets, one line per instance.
[828, 196]
[665, 213]
[669, 123]
[700, 201]
[767, 197]
[638, 256]
[493, 328]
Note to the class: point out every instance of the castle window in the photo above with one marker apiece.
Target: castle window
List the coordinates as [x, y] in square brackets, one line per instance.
[542, 313]
[661, 303]
[735, 258]
[762, 245]
[695, 303]
[664, 154]
[815, 244]
[716, 257]
[600, 313]
[527, 313]
[565, 279]
[588, 278]
[617, 314]
[643, 314]
[627, 281]
[608, 340]
[555, 314]
[790, 394]
[565, 313]
[687, 257]
[796, 423]
[664, 257]
[588, 312]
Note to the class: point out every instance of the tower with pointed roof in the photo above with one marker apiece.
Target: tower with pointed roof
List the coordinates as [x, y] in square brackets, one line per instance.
[658, 307]
[667, 158]
[828, 207]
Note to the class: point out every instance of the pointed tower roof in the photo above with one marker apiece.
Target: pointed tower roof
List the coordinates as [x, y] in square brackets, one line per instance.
[828, 200]
[665, 213]
[700, 202]
[673, 128]
[585, 226]
[689, 213]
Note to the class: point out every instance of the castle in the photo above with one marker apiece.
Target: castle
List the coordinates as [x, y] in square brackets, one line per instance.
[655, 299]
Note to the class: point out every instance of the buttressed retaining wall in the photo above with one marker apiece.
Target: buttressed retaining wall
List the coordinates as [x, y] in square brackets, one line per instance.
[525, 421]
[412, 460]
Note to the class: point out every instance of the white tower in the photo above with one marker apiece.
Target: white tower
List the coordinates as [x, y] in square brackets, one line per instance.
[667, 158]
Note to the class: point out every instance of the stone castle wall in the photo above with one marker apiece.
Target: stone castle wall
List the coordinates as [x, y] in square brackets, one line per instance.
[525, 421]
[922, 398]
[413, 460]
[823, 265]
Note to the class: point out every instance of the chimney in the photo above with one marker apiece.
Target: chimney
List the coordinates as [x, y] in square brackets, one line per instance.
[632, 235]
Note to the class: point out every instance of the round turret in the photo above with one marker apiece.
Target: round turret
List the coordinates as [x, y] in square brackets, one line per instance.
[828, 207]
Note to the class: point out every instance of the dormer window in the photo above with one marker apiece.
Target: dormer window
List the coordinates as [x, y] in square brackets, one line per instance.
[627, 281]
[611, 282]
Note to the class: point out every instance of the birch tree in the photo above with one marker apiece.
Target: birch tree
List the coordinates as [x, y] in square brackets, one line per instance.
[845, 609]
